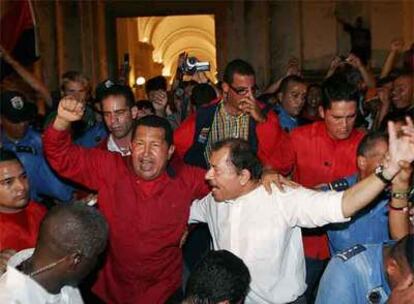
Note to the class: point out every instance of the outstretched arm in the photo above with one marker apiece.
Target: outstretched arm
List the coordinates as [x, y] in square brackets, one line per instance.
[401, 149]
[32, 80]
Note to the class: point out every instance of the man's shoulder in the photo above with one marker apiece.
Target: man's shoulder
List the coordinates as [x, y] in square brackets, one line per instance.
[306, 130]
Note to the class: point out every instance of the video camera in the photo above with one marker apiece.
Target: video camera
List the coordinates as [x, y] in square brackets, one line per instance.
[192, 65]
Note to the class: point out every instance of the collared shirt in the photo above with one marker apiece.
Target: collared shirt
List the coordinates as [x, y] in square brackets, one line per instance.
[368, 226]
[273, 147]
[43, 181]
[321, 159]
[226, 126]
[146, 218]
[355, 278]
[287, 122]
[19, 230]
[264, 231]
[113, 147]
[17, 287]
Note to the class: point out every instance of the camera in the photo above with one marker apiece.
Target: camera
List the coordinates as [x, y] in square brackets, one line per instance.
[192, 65]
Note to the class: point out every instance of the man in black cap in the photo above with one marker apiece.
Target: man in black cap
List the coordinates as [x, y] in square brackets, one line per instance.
[16, 114]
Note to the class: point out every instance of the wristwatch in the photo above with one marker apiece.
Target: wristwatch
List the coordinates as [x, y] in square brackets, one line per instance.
[379, 172]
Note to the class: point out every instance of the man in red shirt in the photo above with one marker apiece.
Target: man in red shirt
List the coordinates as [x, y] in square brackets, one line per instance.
[145, 202]
[19, 217]
[326, 151]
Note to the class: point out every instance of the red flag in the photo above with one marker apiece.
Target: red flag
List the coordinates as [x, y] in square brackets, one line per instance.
[17, 17]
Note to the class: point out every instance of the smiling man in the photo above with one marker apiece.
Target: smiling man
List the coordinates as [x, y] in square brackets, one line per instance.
[263, 229]
[145, 202]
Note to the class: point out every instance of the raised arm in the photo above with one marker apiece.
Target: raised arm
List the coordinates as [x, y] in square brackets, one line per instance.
[367, 76]
[32, 80]
[400, 149]
[85, 166]
[395, 49]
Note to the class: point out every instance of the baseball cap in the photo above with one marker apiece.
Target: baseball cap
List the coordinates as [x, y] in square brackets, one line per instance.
[102, 87]
[15, 107]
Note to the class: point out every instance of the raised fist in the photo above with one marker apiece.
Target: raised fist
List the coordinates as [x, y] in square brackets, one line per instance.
[70, 109]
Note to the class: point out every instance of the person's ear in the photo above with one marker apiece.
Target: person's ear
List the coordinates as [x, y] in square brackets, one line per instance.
[171, 150]
[361, 162]
[134, 112]
[321, 112]
[279, 97]
[225, 87]
[392, 267]
[244, 177]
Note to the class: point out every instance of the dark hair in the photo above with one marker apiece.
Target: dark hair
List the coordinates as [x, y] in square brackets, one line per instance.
[155, 122]
[403, 251]
[202, 94]
[145, 104]
[369, 141]
[237, 66]
[6, 155]
[337, 88]
[119, 90]
[156, 83]
[73, 227]
[242, 156]
[220, 276]
[285, 82]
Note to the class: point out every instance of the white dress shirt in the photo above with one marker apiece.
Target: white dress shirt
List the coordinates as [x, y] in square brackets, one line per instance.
[113, 147]
[18, 288]
[263, 230]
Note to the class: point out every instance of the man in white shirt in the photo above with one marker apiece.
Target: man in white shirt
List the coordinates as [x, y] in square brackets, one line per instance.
[70, 239]
[264, 229]
[119, 113]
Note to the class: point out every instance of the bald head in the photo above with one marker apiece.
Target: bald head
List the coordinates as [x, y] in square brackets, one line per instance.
[73, 228]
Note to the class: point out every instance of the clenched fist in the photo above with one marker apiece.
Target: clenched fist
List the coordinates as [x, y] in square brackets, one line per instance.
[69, 110]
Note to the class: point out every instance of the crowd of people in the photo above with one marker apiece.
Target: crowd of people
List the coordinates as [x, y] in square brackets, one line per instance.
[211, 192]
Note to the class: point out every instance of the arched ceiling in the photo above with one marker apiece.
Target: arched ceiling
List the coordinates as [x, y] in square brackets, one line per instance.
[172, 35]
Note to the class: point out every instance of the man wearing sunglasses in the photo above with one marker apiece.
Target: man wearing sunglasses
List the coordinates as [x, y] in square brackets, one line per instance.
[237, 114]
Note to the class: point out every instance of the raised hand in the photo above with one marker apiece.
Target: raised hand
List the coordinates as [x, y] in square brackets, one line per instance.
[249, 105]
[69, 110]
[401, 148]
[354, 61]
[397, 45]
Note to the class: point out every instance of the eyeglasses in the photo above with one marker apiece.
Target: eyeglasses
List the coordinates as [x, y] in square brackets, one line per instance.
[244, 91]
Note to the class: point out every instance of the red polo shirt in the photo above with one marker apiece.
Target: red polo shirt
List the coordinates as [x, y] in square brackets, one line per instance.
[19, 230]
[321, 159]
[146, 218]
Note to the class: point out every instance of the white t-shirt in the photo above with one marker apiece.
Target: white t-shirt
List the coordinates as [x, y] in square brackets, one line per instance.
[18, 288]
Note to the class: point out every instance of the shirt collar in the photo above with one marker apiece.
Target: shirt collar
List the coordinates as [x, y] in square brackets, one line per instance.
[113, 147]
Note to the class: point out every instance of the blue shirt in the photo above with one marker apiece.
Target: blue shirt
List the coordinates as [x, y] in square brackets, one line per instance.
[42, 180]
[286, 121]
[355, 276]
[92, 136]
[368, 226]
